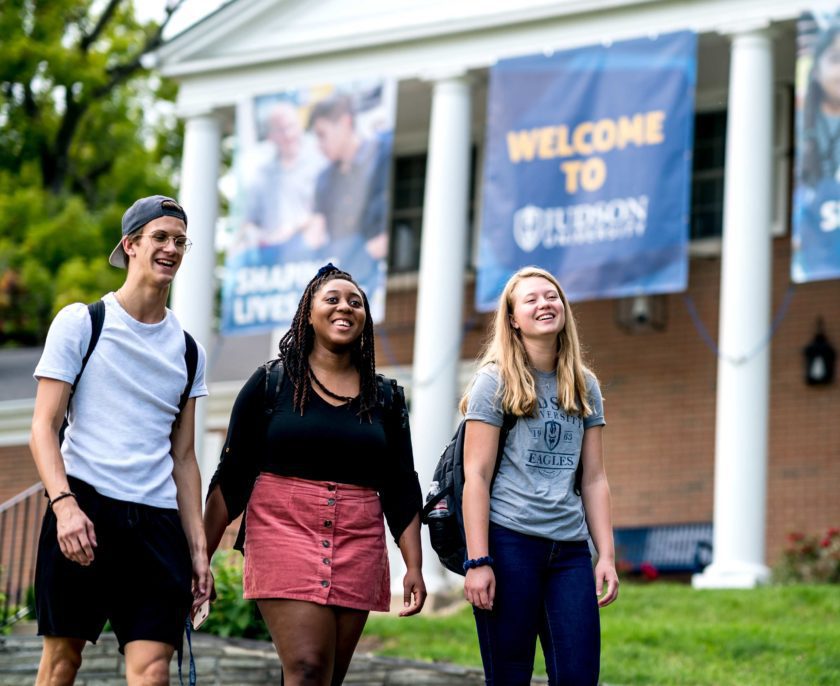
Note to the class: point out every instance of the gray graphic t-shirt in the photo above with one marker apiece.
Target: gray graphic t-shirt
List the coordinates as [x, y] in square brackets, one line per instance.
[534, 490]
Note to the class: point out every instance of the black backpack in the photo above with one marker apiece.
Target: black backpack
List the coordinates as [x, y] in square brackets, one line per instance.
[442, 512]
[96, 310]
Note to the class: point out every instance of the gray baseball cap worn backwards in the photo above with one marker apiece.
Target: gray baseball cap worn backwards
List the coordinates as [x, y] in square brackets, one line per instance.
[141, 213]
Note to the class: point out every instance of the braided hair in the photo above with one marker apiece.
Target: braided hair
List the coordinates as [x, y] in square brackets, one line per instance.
[297, 343]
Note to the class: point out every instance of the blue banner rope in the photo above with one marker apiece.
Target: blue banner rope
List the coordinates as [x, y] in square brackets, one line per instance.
[738, 360]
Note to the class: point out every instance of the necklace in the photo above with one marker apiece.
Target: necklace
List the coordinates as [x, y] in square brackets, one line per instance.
[334, 396]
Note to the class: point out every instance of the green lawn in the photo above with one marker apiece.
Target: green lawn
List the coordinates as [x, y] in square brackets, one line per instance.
[662, 633]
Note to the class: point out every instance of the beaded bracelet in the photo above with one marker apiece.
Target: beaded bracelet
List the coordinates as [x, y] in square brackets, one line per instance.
[478, 562]
[61, 496]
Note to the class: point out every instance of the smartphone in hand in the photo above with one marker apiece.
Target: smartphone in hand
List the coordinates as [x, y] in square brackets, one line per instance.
[200, 614]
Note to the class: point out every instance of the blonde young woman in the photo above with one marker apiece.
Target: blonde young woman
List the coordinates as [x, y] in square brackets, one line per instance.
[529, 570]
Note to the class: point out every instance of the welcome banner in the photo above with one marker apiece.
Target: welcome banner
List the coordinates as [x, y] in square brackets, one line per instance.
[588, 169]
[313, 169]
[816, 199]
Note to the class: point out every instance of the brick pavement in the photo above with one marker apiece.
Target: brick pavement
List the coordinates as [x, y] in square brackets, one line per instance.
[227, 662]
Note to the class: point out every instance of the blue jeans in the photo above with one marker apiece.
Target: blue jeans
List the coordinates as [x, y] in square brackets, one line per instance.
[543, 588]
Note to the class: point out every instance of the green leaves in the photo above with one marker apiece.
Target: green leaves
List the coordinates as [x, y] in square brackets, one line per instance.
[231, 614]
[77, 147]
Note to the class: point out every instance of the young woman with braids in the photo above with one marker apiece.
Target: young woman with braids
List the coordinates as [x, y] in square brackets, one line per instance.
[314, 474]
[529, 571]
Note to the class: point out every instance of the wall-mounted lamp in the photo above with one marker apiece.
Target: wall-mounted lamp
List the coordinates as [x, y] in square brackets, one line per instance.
[641, 313]
[819, 359]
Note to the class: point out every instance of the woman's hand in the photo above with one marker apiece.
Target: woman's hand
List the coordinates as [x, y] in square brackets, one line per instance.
[198, 600]
[605, 573]
[414, 592]
[480, 587]
[210, 590]
[202, 582]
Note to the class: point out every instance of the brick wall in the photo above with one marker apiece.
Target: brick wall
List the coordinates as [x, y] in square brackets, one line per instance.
[660, 404]
[17, 469]
[395, 336]
[804, 462]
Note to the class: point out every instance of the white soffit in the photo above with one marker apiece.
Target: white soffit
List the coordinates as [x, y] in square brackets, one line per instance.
[250, 47]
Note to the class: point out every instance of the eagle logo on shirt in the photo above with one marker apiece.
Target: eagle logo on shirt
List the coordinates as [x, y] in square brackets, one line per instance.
[552, 434]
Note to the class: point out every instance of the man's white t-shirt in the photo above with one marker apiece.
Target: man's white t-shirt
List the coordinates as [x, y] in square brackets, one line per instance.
[121, 416]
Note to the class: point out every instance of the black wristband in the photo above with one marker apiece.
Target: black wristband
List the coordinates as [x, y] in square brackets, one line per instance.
[485, 561]
[61, 496]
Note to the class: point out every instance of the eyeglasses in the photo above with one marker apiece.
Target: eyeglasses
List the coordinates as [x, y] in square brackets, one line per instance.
[161, 240]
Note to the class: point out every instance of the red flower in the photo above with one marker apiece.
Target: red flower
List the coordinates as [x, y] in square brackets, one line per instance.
[833, 531]
[825, 542]
[795, 536]
[649, 571]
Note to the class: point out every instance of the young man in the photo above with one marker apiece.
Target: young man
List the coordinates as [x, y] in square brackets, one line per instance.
[122, 538]
[351, 193]
[278, 205]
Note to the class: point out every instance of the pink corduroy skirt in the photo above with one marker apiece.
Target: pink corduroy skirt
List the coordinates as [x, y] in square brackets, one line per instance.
[319, 541]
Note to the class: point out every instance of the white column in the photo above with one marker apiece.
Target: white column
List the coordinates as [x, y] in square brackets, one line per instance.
[193, 290]
[440, 289]
[745, 292]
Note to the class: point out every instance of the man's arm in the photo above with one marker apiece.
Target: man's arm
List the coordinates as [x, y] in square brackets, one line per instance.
[76, 536]
[188, 484]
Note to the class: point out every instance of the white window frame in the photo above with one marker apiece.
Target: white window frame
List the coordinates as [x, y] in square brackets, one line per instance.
[782, 154]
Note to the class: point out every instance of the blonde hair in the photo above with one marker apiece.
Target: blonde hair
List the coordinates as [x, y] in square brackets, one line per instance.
[506, 350]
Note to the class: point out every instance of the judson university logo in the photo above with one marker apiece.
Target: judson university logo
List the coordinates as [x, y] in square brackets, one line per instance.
[528, 227]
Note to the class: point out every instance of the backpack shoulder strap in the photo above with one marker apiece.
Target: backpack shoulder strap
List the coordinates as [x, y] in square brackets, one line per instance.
[507, 424]
[97, 319]
[387, 389]
[96, 311]
[275, 373]
[392, 402]
[191, 360]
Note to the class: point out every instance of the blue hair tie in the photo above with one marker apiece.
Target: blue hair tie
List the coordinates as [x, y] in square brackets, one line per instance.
[328, 268]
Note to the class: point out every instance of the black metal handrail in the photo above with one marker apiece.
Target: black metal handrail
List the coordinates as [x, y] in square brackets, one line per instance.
[20, 526]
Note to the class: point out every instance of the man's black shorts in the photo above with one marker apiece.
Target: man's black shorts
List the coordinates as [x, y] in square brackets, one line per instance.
[140, 578]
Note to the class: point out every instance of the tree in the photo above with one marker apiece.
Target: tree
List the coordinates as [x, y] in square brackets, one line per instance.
[76, 148]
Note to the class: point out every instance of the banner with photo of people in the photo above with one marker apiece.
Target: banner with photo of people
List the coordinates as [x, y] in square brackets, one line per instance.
[815, 221]
[587, 169]
[312, 171]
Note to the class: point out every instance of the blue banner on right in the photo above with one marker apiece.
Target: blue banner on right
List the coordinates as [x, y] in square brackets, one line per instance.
[816, 199]
[588, 169]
